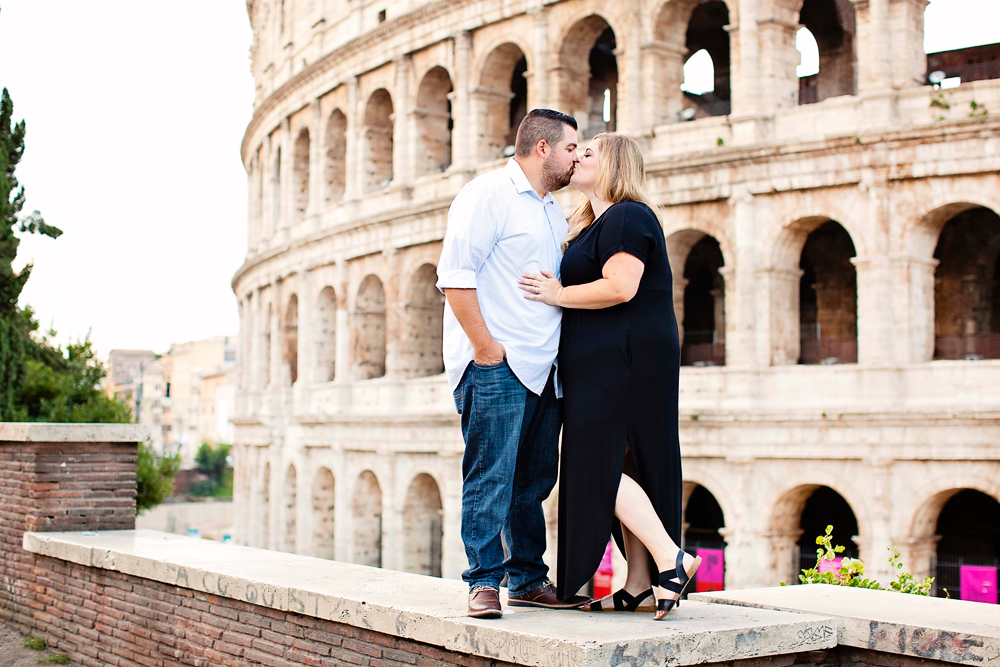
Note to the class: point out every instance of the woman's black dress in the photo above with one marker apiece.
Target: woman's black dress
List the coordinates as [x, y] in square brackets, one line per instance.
[619, 368]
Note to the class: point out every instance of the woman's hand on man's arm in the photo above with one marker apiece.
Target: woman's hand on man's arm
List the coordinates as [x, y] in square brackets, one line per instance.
[622, 273]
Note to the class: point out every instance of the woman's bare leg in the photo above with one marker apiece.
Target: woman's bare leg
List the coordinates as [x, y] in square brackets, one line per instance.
[637, 514]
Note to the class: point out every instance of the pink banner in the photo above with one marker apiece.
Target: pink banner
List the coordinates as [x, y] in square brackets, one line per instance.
[605, 566]
[831, 565]
[978, 583]
[712, 570]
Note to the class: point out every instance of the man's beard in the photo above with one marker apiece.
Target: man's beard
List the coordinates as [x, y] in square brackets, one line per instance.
[552, 178]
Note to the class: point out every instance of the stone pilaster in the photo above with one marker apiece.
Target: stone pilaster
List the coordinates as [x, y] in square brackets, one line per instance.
[343, 324]
[663, 68]
[353, 164]
[315, 205]
[403, 133]
[779, 85]
[538, 77]
[465, 124]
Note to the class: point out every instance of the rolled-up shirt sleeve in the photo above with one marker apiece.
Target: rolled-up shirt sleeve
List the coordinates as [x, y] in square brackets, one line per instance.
[472, 232]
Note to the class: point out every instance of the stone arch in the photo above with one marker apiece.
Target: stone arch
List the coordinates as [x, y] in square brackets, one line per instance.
[792, 260]
[587, 77]
[501, 99]
[434, 123]
[704, 524]
[300, 176]
[682, 28]
[703, 312]
[800, 514]
[423, 527]
[290, 339]
[367, 511]
[966, 294]
[369, 330]
[264, 347]
[325, 336]
[265, 508]
[423, 313]
[323, 514]
[289, 542]
[832, 24]
[335, 166]
[377, 145]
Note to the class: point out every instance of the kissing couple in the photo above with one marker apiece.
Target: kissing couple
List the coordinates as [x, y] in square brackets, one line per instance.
[550, 325]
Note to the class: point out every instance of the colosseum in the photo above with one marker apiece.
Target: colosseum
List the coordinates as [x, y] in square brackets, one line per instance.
[834, 240]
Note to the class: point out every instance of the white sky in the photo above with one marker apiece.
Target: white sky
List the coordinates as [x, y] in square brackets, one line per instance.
[135, 114]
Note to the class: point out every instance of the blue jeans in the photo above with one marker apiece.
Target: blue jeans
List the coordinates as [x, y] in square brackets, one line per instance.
[510, 466]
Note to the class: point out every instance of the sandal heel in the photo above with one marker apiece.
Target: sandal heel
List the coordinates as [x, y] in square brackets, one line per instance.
[666, 580]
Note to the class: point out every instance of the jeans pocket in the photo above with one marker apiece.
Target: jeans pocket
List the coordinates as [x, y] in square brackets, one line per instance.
[487, 367]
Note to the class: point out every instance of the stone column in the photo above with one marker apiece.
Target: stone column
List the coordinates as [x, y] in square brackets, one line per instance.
[630, 115]
[782, 288]
[267, 221]
[343, 350]
[465, 130]
[315, 205]
[737, 83]
[913, 279]
[873, 45]
[538, 75]
[663, 70]
[876, 538]
[274, 325]
[742, 286]
[354, 169]
[253, 362]
[778, 59]
[306, 353]
[785, 556]
[919, 555]
[395, 316]
[877, 311]
[909, 62]
[287, 187]
[402, 167]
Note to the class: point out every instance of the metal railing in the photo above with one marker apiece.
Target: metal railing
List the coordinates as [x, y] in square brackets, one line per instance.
[828, 351]
[967, 346]
[947, 573]
[702, 348]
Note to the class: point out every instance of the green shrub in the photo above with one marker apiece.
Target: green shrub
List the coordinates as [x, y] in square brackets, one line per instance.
[36, 643]
[154, 478]
[57, 658]
[852, 571]
[203, 488]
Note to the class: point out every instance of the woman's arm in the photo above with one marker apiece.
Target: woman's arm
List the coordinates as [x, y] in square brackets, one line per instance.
[622, 274]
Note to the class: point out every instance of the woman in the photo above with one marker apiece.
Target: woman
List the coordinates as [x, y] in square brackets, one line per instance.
[619, 361]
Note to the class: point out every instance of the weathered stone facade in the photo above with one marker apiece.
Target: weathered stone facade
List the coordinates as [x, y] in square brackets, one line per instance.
[835, 267]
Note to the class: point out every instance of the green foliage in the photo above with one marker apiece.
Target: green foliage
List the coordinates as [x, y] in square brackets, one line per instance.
[57, 658]
[977, 109]
[212, 464]
[154, 478]
[225, 488]
[852, 570]
[36, 643]
[940, 102]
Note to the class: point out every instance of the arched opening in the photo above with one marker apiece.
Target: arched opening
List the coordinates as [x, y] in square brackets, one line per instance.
[276, 190]
[828, 297]
[290, 339]
[300, 174]
[967, 287]
[825, 507]
[422, 527]
[502, 108]
[424, 314]
[377, 148]
[367, 508]
[968, 548]
[434, 123]
[706, 33]
[703, 519]
[704, 316]
[588, 76]
[335, 169]
[265, 509]
[323, 499]
[289, 543]
[264, 348]
[325, 338]
[831, 25]
[369, 330]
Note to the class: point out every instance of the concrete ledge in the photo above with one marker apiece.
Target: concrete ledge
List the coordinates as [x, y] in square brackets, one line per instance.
[35, 432]
[966, 633]
[432, 611]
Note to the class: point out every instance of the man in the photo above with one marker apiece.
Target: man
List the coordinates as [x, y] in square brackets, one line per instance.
[500, 352]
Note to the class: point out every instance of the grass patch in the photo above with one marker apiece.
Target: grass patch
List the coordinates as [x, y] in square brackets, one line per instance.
[36, 643]
[57, 658]
[225, 488]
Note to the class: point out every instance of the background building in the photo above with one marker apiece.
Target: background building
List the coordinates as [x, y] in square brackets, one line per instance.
[834, 241]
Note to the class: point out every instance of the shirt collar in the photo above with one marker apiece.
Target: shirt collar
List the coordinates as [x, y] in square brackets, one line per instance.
[521, 183]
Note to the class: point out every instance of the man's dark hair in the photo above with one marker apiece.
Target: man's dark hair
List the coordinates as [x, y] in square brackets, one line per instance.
[539, 124]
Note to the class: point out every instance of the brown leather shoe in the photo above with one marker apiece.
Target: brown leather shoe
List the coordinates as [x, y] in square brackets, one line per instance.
[484, 602]
[545, 596]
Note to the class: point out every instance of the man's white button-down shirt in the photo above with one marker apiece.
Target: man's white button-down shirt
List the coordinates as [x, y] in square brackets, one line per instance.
[499, 228]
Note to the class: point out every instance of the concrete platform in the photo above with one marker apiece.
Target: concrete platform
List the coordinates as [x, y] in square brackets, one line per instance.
[955, 631]
[432, 610]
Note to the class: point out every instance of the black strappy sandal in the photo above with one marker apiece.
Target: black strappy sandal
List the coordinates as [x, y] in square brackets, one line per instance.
[666, 580]
[624, 601]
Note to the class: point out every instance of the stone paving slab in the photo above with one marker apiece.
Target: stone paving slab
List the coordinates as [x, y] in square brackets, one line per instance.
[432, 610]
[40, 432]
[956, 631]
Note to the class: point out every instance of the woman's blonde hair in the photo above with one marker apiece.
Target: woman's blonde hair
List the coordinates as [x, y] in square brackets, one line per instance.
[621, 176]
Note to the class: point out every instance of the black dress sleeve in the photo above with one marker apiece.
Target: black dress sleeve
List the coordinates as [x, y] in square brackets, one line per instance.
[628, 227]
